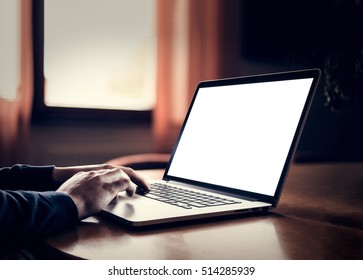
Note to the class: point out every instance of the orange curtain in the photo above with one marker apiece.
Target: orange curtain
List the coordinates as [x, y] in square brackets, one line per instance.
[15, 115]
[190, 49]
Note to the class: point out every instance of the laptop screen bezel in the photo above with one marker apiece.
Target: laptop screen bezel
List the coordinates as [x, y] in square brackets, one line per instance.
[271, 77]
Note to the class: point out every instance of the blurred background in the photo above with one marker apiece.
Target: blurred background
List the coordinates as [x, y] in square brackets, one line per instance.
[85, 81]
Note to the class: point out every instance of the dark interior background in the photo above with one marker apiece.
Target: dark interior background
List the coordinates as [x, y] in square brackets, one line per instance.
[287, 35]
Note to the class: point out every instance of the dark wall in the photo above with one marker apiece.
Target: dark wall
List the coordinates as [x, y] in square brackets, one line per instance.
[290, 35]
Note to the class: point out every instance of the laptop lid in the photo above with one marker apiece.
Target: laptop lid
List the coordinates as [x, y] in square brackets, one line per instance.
[240, 134]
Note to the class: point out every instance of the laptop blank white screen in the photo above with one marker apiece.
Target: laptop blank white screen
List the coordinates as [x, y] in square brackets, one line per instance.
[239, 136]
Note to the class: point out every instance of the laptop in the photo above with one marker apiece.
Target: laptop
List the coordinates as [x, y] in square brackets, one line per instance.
[233, 151]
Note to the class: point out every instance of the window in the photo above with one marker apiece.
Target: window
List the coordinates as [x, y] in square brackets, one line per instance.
[9, 48]
[96, 56]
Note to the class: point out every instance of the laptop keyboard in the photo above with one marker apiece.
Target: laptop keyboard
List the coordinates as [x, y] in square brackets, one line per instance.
[187, 199]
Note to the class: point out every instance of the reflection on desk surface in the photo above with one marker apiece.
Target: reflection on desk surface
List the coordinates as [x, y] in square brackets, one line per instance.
[250, 238]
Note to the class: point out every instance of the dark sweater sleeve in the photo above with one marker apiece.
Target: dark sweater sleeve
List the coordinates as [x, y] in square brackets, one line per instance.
[25, 214]
[27, 177]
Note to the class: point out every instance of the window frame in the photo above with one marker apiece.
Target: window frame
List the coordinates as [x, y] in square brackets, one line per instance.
[42, 113]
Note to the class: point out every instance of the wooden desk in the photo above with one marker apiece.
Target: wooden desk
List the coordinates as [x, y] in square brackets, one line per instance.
[320, 216]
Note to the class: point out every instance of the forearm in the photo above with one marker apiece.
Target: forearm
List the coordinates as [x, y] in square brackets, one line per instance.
[27, 177]
[26, 215]
[40, 178]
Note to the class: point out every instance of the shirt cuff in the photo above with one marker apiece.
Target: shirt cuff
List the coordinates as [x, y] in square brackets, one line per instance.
[65, 211]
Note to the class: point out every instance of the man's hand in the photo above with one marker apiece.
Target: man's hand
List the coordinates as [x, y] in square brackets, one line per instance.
[93, 190]
[62, 174]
